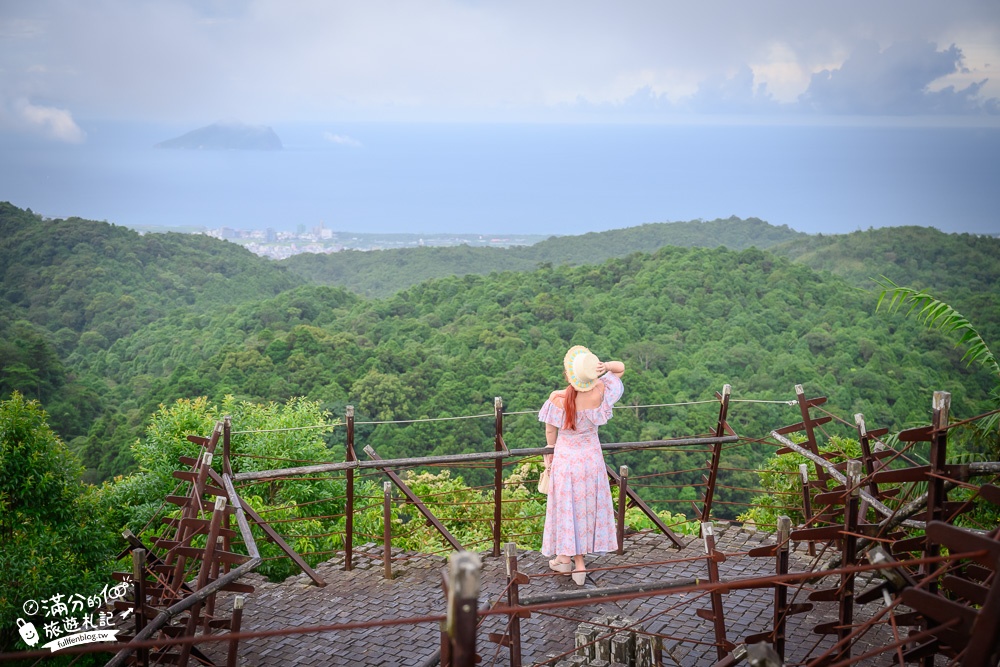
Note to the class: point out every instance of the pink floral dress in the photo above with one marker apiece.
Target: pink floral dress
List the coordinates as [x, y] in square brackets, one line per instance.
[579, 516]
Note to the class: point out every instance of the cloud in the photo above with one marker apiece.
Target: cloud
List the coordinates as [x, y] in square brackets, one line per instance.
[737, 94]
[270, 61]
[895, 81]
[50, 122]
[341, 140]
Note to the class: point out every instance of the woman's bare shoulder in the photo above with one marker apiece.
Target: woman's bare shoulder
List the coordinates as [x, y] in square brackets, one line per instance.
[557, 396]
[592, 398]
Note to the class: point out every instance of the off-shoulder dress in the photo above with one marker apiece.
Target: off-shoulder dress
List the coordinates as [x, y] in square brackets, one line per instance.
[579, 516]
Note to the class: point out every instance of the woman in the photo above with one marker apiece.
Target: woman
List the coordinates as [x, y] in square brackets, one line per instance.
[579, 518]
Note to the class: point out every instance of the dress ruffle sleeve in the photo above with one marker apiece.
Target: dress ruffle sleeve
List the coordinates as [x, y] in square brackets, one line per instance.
[613, 390]
[551, 414]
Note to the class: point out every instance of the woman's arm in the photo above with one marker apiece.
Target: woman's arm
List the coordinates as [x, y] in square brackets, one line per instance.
[551, 433]
[613, 367]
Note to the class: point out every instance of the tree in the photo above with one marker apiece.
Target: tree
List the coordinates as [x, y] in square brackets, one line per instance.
[266, 437]
[938, 314]
[55, 541]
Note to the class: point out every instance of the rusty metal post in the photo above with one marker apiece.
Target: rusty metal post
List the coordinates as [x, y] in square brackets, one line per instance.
[445, 646]
[227, 430]
[622, 504]
[867, 456]
[807, 511]
[849, 557]
[213, 575]
[713, 465]
[807, 423]
[722, 645]
[463, 595]
[191, 509]
[234, 628]
[415, 501]
[445, 649]
[227, 469]
[498, 474]
[781, 557]
[139, 583]
[387, 529]
[936, 494]
[211, 542]
[349, 511]
[510, 551]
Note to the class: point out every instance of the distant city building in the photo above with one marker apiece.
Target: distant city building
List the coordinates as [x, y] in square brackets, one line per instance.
[320, 240]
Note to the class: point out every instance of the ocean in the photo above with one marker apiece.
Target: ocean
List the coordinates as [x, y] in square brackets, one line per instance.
[518, 178]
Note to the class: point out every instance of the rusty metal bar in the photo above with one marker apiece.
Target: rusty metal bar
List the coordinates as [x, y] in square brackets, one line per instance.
[234, 628]
[781, 557]
[139, 582]
[498, 474]
[868, 457]
[193, 505]
[807, 511]
[387, 529]
[214, 574]
[464, 569]
[832, 472]
[804, 405]
[622, 503]
[349, 511]
[227, 431]
[444, 651]
[183, 605]
[203, 573]
[466, 458]
[713, 467]
[936, 494]
[647, 510]
[415, 501]
[514, 578]
[717, 615]
[984, 648]
[849, 557]
[270, 532]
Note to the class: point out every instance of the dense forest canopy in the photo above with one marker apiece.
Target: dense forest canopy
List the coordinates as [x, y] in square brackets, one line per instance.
[104, 326]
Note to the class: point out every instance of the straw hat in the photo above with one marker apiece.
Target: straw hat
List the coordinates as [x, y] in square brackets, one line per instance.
[581, 367]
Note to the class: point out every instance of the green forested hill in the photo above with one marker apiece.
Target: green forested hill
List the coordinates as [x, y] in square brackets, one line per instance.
[686, 321]
[382, 273]
[70, 288]
[917, 256]
[962, 269]
[88, 276]
[104, 325]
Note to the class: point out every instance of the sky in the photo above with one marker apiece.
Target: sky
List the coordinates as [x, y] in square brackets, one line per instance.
[63, 62]
[77, 78]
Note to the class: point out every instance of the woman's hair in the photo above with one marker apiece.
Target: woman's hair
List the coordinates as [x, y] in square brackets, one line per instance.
[569, 408]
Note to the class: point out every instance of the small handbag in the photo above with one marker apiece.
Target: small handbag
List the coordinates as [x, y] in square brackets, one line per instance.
[543, 481]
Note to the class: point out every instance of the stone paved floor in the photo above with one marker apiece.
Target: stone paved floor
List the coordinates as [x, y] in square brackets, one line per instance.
[364, 595]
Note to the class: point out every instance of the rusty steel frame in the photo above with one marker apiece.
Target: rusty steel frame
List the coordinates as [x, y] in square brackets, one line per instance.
[964, 626]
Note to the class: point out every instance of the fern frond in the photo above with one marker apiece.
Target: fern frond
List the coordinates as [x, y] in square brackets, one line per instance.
[938, 314]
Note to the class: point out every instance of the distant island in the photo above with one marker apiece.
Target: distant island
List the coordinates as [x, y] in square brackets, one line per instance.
[227, 136]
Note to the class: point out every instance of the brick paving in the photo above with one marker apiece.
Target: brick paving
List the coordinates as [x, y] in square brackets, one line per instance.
[363, 594]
